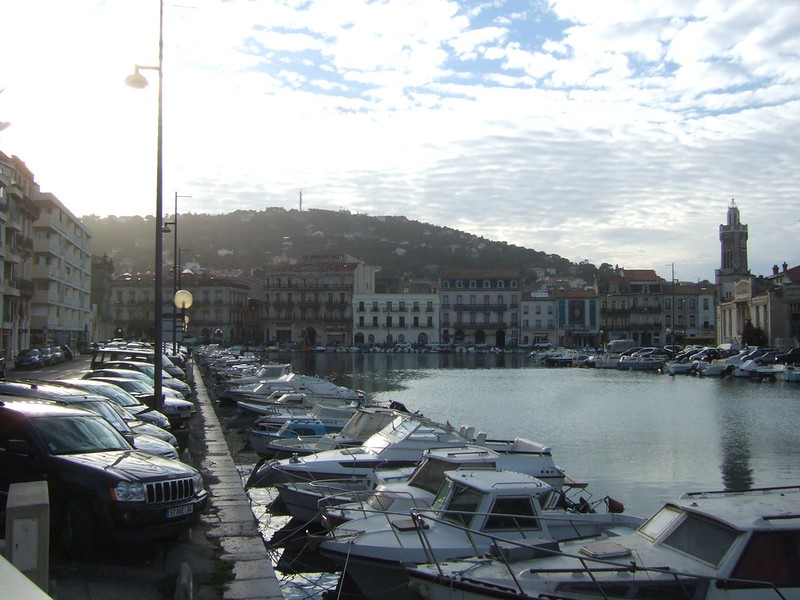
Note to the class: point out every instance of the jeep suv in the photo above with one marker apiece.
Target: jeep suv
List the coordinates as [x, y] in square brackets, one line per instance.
[100, 487]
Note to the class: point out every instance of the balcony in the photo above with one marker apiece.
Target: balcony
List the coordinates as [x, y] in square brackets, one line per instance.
[480, 307]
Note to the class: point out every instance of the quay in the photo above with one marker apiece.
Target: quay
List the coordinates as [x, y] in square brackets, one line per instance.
[223, 557]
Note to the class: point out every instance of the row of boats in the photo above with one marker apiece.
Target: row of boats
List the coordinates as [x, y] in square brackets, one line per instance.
[751, 362]
[422, 509]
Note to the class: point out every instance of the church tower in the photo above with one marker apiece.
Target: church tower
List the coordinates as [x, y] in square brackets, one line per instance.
[733, 244]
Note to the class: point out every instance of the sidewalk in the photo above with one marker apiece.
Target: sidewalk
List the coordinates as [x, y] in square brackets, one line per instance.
[222, 557]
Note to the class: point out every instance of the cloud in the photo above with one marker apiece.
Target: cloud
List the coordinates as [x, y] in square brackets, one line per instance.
[609, 132]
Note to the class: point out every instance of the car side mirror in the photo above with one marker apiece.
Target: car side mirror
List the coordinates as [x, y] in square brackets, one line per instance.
[20, 447]
[128, 435]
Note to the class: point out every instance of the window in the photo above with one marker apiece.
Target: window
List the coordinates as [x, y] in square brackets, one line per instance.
[502, 284]
[361, 321]
[513, 514]
[514, 284]
[375, 321]
[402, 305]
[374, 305]
[473, 284]
[705, 303]
[487, 283]
[459, 284]
[360, 305]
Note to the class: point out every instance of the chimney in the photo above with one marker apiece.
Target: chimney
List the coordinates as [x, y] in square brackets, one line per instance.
[785, 266]
[774, 269]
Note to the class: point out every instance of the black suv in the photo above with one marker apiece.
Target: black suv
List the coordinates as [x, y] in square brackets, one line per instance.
[100, 487]
[792, 357]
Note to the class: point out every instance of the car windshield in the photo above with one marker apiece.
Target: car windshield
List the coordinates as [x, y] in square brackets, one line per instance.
[78, 435]
[134, 385]
[104, 410]
[115, 394]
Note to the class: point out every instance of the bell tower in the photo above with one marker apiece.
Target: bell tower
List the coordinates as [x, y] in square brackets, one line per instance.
[733, 244]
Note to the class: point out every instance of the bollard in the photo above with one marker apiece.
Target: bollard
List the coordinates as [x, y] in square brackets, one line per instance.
[28, 531]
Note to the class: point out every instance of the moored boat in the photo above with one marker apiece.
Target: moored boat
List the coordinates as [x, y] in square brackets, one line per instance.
[470, 508]
[703, 546]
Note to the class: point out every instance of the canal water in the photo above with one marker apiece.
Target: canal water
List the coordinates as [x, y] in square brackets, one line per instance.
[640, 438]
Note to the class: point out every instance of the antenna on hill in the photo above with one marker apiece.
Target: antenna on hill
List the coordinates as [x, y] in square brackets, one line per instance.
[301, 200]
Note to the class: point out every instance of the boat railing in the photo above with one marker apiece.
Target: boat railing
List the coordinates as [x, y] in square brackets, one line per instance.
[363, 502]
[510, 552]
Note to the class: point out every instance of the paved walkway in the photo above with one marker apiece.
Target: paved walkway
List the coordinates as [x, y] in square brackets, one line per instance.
[231, 520]
[222, 557]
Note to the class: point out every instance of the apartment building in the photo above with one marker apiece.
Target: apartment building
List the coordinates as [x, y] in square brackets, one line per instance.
[220, 311]
[18, 212]
[309, 301]
[480, 306]
[61, 309]
[388, 319]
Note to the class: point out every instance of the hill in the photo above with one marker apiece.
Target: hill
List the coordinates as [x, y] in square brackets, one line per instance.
[252, 240]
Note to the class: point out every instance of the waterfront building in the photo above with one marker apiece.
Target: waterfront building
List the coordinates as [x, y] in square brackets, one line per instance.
[309, 302]
[769, 307]
[480, 306]
[631, 306]
[219, 311]
[388, 319]
[578, 318]
[538, 326]
[689, 313]
[61, 309]
[17, 215]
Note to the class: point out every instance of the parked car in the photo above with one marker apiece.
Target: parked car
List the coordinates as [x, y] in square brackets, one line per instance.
[52, 392]
[29, 358]
[121, 398]
[175, 408]
[149, 369]
[57, 355]
[100, 487]
[47, 356]
[102, 355]
[792, 357]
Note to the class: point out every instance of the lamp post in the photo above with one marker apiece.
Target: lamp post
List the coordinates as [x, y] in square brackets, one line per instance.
[138, 81]
[183, 300]
[175, 265]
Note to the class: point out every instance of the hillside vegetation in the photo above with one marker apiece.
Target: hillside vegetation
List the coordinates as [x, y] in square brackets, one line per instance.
[252, 240]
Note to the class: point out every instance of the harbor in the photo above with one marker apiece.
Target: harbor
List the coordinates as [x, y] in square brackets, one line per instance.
[640, 437]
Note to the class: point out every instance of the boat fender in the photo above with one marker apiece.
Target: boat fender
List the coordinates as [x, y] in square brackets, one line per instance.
[614, 506]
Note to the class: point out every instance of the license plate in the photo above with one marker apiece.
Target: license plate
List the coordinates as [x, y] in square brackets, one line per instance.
[179, 511]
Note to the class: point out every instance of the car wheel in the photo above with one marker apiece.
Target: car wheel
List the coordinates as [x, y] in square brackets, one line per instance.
[78, 529]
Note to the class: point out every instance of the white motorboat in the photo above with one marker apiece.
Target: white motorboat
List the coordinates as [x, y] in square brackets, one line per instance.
[280, 405]
[790, 373]
[391, 492]
[400, 444]
[469, 509]
[317, 387]
[704, 546]
[363, 423]
[262, 435]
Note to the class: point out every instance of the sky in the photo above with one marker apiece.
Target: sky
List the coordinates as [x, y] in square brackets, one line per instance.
[615, 132]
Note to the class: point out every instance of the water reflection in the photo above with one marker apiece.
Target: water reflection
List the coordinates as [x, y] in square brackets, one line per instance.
[641, 438]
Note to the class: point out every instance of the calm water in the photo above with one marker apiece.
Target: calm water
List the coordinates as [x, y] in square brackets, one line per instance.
[638, 437]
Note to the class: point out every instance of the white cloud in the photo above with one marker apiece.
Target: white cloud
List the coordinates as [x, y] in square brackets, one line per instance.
[616, 132]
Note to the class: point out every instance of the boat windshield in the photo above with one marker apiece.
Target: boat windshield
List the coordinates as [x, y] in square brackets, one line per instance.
[462, 505]
[429, 474]
[403, 428]
[703, 538]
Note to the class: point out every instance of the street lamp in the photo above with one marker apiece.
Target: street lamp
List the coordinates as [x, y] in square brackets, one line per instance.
[175, 265]
[138, 81]
[183, 300]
